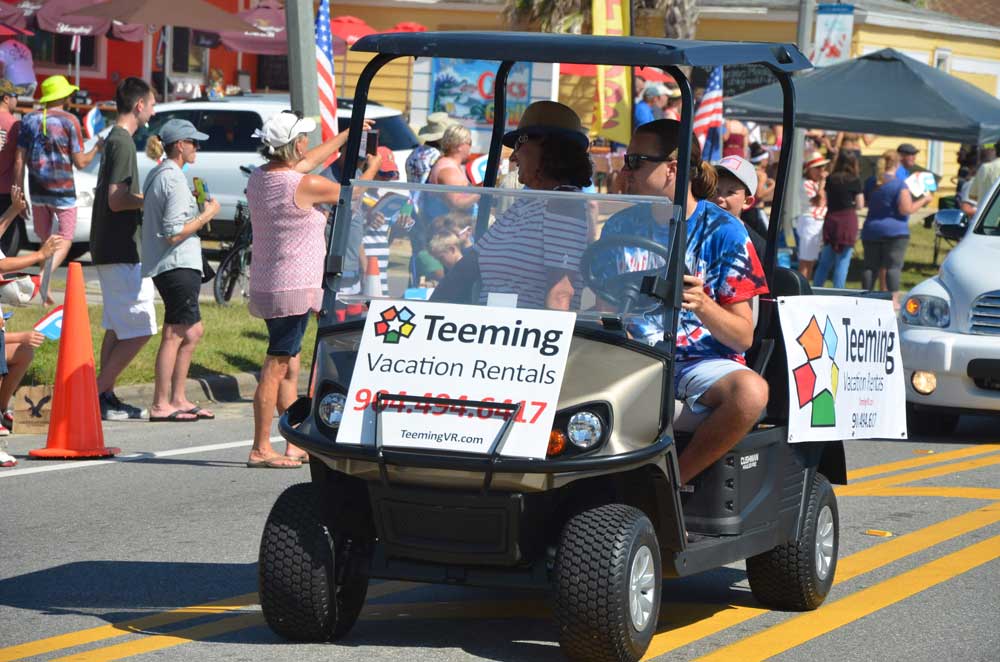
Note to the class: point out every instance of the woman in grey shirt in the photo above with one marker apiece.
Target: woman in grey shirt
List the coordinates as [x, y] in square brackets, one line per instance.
[171, 255]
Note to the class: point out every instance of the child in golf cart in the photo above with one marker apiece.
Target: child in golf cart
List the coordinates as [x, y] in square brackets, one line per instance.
[716, 325]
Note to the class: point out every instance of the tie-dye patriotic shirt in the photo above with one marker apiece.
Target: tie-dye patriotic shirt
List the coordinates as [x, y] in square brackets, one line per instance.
[718, 249]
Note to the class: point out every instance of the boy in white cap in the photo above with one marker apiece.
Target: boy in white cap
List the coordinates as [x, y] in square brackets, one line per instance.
[735, 193]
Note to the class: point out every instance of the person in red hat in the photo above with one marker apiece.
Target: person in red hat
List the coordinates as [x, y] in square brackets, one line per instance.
[809, 226]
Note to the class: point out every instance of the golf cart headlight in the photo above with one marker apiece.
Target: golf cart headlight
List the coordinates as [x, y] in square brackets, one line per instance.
[925, 310]
[584, 429]
[331, 408]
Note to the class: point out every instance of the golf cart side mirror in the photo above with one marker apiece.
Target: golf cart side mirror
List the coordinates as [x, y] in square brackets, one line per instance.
[951, 223]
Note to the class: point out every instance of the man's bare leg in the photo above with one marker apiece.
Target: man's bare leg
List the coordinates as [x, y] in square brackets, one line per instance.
[736, 401]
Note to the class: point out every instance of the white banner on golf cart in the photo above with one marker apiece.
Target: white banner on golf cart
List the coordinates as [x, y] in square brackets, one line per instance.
[845, 373]
[476, 353]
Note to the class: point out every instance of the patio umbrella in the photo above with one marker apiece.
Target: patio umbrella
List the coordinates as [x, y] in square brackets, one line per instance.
[8, 30]
[348, 29]
[270, 36]
[884, 92]
[407, 26]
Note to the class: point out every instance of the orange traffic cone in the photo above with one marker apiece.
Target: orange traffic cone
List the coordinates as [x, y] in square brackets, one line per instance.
[75, 424]
[372, 285]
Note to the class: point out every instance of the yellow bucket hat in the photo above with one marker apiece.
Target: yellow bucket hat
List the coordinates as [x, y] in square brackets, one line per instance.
[55, 88]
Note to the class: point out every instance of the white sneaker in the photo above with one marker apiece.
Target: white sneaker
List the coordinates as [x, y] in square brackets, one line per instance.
[7, 460]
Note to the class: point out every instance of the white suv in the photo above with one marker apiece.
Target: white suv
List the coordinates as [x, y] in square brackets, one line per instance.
[950, 326]
[229, 123]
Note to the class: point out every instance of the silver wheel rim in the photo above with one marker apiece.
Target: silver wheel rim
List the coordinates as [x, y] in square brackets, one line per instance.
[824, 542]
[641, 588]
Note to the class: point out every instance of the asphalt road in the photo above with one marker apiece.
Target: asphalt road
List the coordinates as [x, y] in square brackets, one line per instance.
[154, 554]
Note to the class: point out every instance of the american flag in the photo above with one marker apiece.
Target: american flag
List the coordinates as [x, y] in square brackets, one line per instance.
[708, 119]
[324, 72]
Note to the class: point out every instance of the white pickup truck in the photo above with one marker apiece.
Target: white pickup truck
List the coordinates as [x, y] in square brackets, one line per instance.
[950, 326]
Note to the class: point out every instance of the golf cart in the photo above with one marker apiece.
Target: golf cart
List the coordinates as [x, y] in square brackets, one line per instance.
[487, 444]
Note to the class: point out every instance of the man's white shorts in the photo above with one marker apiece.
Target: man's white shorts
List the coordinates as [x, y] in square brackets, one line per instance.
[128, 300]
[810, 237]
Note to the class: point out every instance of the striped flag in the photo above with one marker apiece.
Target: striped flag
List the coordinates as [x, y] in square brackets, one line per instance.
[324, 72]
[708, 119]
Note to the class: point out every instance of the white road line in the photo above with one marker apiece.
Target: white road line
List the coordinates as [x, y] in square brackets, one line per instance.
[131, 457]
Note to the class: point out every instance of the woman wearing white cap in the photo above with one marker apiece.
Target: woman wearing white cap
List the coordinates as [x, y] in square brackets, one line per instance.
[286, 283]
[809, 226]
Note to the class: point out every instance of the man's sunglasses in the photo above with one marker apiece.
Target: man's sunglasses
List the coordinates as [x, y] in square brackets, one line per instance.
[632, 161]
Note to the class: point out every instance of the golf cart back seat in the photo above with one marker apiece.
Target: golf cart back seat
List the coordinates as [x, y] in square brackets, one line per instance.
[733, 494]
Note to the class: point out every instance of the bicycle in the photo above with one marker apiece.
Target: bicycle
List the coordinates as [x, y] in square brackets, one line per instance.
[233, 274]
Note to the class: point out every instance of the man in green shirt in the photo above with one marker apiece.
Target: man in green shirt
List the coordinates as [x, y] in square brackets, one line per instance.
[129, 317]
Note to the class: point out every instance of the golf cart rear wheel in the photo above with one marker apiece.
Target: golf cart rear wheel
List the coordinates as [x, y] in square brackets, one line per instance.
[312, 586]
[607, 585]
[798, 575]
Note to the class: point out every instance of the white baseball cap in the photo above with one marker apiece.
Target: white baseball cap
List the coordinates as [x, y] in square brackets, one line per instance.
[282, 128]
[742, 170]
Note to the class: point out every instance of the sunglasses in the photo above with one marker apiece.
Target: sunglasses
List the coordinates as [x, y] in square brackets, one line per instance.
[632, 161]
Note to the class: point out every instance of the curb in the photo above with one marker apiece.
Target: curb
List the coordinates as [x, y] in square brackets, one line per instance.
[32, 403]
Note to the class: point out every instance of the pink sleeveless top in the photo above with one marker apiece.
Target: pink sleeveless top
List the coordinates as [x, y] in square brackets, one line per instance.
[286, 272]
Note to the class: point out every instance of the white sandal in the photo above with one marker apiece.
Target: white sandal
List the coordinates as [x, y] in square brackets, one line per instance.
[7, 460]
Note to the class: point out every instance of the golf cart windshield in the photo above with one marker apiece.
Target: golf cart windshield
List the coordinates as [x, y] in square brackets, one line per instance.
[563, 250]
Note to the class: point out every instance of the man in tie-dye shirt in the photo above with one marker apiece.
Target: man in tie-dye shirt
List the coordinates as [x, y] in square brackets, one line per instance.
[724, 274]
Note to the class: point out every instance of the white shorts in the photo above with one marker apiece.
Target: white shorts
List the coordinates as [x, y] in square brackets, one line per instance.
[810, 237]
[692, 379]
[128, 300]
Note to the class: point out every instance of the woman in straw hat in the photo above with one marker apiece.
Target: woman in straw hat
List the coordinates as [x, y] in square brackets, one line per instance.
[533, 249]
[809, 225]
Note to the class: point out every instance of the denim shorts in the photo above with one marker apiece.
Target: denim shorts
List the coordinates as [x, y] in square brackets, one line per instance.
[692, 379]
[3, 353]
[284, 334]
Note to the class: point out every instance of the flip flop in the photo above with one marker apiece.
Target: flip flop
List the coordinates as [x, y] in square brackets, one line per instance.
[174, 417]
[273, 462]
[201, 413]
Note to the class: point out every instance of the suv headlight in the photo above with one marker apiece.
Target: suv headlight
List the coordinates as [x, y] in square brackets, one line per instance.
[925, 310]
[331, 408]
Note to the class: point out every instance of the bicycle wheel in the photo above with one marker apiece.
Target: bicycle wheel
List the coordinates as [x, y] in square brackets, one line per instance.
[233, 277]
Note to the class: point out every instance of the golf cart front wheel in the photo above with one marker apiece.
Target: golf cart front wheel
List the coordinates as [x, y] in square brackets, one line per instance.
[607, 586]
[311, 585]
[798, 575]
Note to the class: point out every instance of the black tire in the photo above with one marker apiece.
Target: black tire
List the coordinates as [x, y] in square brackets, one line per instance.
[13, 239]
[232, 277]
[929, 421]
[312, 586]
[592, 584]
[790, 576]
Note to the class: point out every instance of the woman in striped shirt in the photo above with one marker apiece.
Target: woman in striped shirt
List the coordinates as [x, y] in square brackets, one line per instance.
[533, 249]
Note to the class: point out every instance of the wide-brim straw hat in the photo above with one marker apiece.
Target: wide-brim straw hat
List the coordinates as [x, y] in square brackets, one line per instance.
[437, 124]
[549, 117]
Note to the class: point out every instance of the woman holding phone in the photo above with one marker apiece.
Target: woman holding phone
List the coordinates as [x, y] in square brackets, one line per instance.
[171, 255]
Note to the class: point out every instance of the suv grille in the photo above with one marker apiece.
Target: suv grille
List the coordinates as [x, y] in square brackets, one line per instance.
[986, 314]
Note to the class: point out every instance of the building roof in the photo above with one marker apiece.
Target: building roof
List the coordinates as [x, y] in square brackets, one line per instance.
[890, 13]
[979, 11]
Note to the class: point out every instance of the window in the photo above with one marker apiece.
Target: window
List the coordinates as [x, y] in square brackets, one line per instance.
[272, 72]
[228, 130]
[188, 57]
[48, 49]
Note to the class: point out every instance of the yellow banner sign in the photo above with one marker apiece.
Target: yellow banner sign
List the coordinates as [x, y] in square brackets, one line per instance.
[612, 117]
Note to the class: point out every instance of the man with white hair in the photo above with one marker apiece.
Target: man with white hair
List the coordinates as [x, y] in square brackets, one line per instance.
[654, 98]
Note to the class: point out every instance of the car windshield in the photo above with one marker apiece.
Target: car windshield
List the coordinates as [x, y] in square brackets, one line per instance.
[569, 250]
[989, 222]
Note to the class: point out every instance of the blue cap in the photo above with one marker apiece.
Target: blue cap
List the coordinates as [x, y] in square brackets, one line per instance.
[175, 129]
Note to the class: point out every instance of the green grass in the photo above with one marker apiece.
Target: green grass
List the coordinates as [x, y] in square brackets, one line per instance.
[233, 342]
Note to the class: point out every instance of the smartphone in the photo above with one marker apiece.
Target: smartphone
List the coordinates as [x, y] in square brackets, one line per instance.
[369, 144]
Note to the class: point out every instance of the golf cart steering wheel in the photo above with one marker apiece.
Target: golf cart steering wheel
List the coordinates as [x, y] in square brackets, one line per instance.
[621, 290]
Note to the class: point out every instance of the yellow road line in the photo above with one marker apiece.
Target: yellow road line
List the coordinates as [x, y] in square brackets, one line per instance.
[160, 641]
[81, 637]
[848, 568]
[139, 625]
[865, 488]
[936, 458]
[985, 493]
[796, 631]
